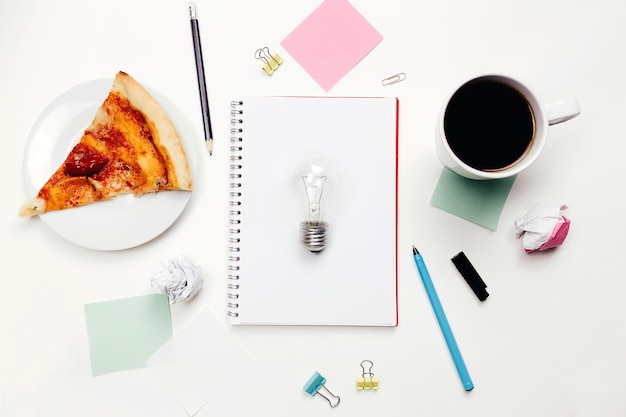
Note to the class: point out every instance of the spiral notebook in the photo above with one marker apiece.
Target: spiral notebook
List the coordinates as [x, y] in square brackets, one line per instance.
[278, 144]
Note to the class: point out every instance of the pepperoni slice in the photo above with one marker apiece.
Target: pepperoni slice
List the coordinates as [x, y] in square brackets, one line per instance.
[84, 161]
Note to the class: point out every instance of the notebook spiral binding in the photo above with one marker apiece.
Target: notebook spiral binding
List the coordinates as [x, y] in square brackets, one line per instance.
[236, 140]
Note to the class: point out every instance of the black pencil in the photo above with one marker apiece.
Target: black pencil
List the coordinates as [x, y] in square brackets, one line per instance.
[204, 102]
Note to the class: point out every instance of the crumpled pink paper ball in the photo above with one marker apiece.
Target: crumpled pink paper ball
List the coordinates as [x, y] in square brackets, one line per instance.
[542, 226]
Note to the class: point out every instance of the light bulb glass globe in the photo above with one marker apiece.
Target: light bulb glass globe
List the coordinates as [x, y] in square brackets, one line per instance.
[314, 231]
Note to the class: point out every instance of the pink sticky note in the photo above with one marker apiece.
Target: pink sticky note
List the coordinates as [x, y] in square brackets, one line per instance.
[331, 41]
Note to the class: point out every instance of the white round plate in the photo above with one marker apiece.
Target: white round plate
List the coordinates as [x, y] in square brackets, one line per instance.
[122, 223]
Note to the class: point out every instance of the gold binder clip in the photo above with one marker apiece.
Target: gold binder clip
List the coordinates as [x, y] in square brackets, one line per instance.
[272, 62]
[367, 380]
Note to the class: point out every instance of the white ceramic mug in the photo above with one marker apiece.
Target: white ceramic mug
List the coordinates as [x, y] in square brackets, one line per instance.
[542, 116]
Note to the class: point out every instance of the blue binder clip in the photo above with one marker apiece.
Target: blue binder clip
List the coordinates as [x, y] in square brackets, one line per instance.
[315, 384]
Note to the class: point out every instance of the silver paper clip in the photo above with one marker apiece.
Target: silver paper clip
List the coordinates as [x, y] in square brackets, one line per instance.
[313, 386]
[367, 380]
[272, 62]
[394, 79]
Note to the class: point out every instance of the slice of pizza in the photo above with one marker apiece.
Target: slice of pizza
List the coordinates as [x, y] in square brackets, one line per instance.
[131, 147]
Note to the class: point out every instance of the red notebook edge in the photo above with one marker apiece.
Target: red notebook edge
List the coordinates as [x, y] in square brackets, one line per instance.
[397, 188]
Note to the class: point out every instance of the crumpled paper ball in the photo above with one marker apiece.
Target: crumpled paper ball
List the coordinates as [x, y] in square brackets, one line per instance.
[180, 280]
[542, 226]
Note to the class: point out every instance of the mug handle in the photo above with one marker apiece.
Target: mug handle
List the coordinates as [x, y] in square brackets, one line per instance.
[562, 111]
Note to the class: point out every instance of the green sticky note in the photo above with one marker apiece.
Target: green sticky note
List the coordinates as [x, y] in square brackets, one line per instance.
[124, 333]
[478, 201]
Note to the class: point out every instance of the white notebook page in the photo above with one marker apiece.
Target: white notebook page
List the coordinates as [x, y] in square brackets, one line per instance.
[353, 280]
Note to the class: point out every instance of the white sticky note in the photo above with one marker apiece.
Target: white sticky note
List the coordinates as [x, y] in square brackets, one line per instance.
[200, 360]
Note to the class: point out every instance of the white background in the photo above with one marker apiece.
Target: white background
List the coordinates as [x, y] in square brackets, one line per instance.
[549, 341]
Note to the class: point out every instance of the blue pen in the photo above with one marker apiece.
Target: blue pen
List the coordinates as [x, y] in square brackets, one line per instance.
[443, 321]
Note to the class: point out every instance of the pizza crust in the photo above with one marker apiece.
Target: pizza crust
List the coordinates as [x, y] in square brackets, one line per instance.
[32, 207]
[167, 139]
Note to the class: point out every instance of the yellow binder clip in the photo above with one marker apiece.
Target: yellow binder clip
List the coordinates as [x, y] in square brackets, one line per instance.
[272, 62]
[367, 380]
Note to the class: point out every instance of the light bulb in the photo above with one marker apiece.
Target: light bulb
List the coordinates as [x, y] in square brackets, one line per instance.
[314, 231]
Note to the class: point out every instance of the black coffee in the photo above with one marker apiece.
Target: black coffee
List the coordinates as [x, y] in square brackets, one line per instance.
[489, 125]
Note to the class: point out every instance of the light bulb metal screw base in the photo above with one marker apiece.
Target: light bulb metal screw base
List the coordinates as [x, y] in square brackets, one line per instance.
[313, 235]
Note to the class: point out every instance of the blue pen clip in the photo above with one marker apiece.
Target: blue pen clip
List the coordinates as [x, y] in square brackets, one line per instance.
[313, 386]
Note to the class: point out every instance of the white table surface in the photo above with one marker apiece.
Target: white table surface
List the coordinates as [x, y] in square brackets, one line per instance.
[549, 341]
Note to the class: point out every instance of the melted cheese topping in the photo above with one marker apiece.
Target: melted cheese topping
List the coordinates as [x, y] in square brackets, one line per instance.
[123, 138]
